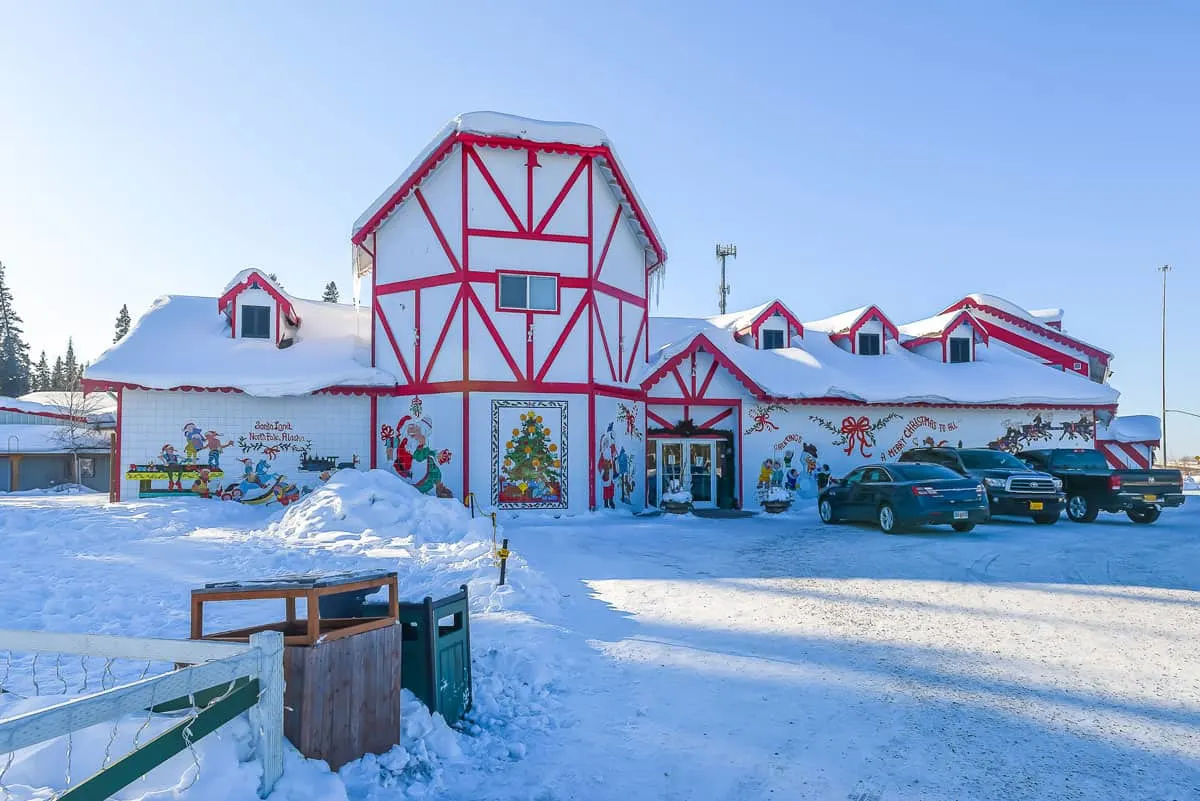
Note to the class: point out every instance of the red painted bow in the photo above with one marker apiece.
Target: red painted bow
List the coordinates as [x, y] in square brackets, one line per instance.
[856, 432]
[270, 452]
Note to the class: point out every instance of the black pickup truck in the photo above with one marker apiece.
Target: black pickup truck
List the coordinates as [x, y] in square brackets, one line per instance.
[1092, 486]
[1012, 487]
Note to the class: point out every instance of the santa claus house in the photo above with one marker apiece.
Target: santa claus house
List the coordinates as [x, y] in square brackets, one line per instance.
[502, 345]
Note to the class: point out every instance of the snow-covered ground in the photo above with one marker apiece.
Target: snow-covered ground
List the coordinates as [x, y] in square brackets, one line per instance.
[680, 658]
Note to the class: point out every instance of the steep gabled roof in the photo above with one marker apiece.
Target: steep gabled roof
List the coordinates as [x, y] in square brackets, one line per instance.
[938, 327]
[748, 320]
[253, 278]
[1022, 318]
[507, 130]
[847, 324]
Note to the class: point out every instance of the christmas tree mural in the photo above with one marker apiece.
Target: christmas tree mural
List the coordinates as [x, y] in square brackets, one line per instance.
[530, 456]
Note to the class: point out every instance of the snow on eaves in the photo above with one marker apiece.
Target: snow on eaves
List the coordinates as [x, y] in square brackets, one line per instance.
[494, 123]
[183, 341]
[929, 327]
[1131, 428]
[838, 323]
[820, 369]
[1048, 315]
[1038, 318]
[33, 438]
[736, 321]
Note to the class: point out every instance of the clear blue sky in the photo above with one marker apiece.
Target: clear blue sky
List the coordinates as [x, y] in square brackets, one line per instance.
[896, 153]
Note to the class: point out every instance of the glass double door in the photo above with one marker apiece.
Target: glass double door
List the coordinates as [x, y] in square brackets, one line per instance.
[689, 462]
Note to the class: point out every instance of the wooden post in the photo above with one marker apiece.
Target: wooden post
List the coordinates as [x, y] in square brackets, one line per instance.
[394, 598]
[290, 603]
[197, 618]
[314, 617]
[15, 466]
[114, 469]
[266, 718]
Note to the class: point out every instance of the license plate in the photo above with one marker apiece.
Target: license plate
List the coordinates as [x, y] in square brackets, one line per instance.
[960, 515]
[1149, 497]
[1036, 506]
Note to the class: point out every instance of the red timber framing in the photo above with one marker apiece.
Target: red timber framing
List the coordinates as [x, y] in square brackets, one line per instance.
[619, 353]
[1041, 350]
[794, 326]
[978, 329]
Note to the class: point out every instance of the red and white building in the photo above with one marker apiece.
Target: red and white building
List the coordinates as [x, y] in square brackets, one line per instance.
[506, 350]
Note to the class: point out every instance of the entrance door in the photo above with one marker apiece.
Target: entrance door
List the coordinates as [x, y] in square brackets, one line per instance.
[690, 462]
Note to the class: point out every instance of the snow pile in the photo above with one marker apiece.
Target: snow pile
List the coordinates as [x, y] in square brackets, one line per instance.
[1131, 428]
[1191, 484]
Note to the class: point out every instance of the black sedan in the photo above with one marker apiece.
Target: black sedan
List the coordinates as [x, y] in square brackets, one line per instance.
[900, 495]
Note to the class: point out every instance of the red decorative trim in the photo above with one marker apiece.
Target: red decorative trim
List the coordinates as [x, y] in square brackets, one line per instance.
[374, 292]
[529, 346]
[619, 373]
[636, 338]
[437, 346]
[621, 294]
[417, 333]
[466, 450]
[739, 475]
[607, 353]
[562, 339]
[491, 182]
[437, 231]
[591, 438]
[264, 283]
[528, 236]
[692, 370]
[607, 241]
[48, 415]
[1047, 354]
[1133, 453]
[710, 422]
[520, 144]
[661, 421]
[979, 332]
[1049, 333]
[428, 282]
[117, 462]
[656, 401]
[562, 194]
[531, 161]
[712, 372]
[387, 329]
[683, 390]
[491, 328]
[374, 458]
[698, 343]
[775, 308]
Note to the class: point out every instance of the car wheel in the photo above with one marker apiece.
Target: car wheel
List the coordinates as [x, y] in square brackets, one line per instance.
[887, 519]
[825, 510]
[1143, 515]
[1080, 509]
[963, 528]
[1046, 519]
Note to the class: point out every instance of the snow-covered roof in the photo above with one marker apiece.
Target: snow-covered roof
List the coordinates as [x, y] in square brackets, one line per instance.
[1031, 318]
[1048, 315]
[510, 126]
[844, 322]
[736, 321]
[1131, 428]
[820, 369]
[934, 327]
[31, 438]
[183, 341]
[97, 406]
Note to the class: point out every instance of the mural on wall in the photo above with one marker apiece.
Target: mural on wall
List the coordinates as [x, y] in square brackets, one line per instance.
[259, 481]
[760, 418]
[1039, 432]
[411, 453]
[616, 466]
[529, 454]
[909, 439]
[793, 468]
[856, 432]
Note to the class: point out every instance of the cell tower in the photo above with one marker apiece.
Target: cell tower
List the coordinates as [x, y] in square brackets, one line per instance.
[723, 290]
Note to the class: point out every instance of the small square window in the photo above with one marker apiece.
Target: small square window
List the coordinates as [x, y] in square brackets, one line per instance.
[869, 344]
[1078, 367]
[528, 292]
[771, 340]
[87, 467]
[960, 350]
[256, 322]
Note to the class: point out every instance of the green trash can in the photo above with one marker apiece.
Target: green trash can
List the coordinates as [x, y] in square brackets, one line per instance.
[435, 657]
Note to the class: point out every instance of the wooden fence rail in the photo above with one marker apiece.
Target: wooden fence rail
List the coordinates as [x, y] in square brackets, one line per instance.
[253, 674]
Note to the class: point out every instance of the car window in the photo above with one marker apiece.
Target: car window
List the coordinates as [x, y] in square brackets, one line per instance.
[875, 475]
[854, 476]
[923, 472]
[914, 456]
[945, 459]
[1081, 459]
[984, 460]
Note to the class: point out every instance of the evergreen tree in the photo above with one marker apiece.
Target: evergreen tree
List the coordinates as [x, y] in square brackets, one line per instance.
[123, 322]
[41, 375]
[14, 353]
[57, 382]
[331, 293]
[531, 459]
[70, 368]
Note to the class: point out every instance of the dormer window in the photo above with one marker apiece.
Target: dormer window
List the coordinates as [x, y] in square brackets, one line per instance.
[771, 339]
[870, 344]
[256, 322]
[960, 350]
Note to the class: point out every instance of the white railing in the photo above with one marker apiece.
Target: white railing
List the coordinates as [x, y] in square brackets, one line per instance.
[207, 665]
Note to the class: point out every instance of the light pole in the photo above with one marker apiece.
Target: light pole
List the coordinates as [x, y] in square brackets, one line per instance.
[723, 290]
[1166, 268]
